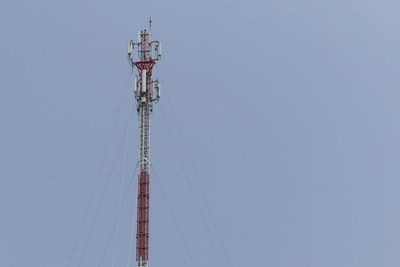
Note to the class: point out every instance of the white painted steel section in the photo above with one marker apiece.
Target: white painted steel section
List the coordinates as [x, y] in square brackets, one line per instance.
[144, 130]
[143, 263]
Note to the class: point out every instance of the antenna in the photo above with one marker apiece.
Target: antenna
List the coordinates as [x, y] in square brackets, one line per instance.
[150, 23]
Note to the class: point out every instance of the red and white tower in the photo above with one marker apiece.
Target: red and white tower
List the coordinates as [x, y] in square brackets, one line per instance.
[147, 91]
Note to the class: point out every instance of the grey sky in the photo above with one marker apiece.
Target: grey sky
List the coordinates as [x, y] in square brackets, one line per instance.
[289, 109]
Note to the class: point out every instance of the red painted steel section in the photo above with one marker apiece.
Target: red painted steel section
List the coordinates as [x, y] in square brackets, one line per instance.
[143, 204]
[148, 66]
[145, 65]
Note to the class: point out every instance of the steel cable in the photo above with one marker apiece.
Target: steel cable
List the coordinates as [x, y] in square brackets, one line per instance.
[202, 192]
[119, 214]
[98, 172]
[121, 189]
[103, 195]
[164, 196]
[187, 179]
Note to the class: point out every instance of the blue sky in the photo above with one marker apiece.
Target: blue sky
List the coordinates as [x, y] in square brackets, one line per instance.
[289, 111]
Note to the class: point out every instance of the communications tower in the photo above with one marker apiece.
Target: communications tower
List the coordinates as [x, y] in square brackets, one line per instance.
[147, 92]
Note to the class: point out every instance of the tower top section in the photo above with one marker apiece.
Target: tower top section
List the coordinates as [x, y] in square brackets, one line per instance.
[147, 49]
[143, 54]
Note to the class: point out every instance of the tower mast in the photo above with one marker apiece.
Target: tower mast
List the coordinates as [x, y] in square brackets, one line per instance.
[146, 91]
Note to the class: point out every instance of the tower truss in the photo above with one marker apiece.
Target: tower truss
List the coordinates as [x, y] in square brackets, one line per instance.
[147, 92]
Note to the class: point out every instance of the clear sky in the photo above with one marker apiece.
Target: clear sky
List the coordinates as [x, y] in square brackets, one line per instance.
[289, 110]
